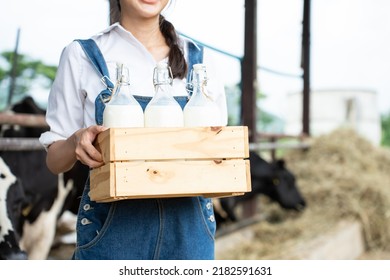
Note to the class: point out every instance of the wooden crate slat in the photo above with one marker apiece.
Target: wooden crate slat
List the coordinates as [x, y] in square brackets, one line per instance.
[143, 179]
[208, 195]
[122, 144]
[102, 182]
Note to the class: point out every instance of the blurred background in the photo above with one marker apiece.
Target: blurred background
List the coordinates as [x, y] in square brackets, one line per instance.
[341, 163]
[349, 49]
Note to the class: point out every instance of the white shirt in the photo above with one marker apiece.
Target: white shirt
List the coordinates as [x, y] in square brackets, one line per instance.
[71, 103]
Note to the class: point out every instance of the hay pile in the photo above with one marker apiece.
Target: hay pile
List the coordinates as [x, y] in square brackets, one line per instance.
[342, 176]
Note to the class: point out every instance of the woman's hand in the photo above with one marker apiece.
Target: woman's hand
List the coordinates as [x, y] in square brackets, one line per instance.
[63, 154]
[85, 152]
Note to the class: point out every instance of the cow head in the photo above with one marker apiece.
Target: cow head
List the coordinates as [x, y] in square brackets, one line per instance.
[11, 205]
[26, 106]
[271, 179]
[275, 181]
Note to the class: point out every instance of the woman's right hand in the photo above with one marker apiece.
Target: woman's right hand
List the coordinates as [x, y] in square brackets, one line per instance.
[85, 152]
[62, 154]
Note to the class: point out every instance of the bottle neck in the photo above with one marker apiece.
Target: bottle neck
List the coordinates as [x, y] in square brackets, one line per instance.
[122, 88]
[162, 76]
[199, 81]
[122, 79]
[163, 90]
[199, 78]
[162, 82]
[122, 74]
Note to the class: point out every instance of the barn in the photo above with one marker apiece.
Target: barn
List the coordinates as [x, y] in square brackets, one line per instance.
[345, 179]
[352, 113]
[332, 109]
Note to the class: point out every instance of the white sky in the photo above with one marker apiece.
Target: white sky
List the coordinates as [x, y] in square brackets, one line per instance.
[350, 43]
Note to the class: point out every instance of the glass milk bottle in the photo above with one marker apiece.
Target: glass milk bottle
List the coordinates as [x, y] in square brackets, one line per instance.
[163, 110]
[201, 110]
[123, 110]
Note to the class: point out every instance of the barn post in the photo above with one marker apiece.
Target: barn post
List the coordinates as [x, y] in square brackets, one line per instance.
[249, 83]
[249, 70]
[305, 64]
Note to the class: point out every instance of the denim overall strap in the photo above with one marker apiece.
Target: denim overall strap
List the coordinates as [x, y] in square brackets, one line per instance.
[144, 100]
[96, 58]
[195, 55]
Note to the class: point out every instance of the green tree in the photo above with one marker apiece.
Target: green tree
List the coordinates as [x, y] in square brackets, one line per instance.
[385, 124]
[28, 72]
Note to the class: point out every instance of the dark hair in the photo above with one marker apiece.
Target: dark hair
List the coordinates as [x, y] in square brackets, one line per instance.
[115, 11]
[176, 58]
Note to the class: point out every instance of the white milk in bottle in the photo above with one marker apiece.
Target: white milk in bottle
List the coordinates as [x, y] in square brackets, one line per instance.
[201, 110]
[163, 110]
[123, 110]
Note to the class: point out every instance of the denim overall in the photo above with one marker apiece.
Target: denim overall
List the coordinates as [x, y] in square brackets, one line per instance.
[143, 229]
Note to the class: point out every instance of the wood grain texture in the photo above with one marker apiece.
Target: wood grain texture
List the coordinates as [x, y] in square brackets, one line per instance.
[172, 162]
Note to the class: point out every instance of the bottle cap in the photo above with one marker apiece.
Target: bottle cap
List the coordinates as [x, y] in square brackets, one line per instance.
[162, 65]
[198, 66]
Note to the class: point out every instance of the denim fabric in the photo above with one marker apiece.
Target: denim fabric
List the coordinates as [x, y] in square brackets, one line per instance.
[144, 100]
[99, 64]
[145, 229]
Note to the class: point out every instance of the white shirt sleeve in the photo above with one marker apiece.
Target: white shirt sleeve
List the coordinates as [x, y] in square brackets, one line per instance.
[65, 107]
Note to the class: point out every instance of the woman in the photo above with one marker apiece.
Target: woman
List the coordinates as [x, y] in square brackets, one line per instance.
[179, 228]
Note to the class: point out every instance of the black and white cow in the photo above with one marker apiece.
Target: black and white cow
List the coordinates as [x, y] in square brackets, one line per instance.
[35, 204]
[11, 189]
[29, 209]
[271, 179]
[78, 173]
[25, 106]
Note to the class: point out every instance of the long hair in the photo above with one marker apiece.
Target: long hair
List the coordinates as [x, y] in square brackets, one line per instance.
[176, 58]
[115, 11]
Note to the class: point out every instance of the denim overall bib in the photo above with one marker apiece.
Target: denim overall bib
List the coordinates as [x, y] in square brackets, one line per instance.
[143, 229]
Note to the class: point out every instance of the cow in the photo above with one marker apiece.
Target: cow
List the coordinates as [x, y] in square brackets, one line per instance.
[37, 204]
[271, 179]
[78, 173]
[11, 189]
[26, 106]
[29, 215]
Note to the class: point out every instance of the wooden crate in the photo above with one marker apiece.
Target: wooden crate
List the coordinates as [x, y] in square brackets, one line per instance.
[171, 162]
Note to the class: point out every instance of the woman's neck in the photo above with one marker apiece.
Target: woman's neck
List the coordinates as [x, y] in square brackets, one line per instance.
[147, 31]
